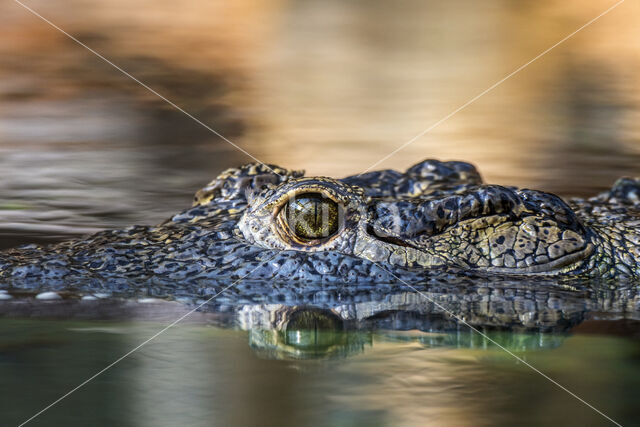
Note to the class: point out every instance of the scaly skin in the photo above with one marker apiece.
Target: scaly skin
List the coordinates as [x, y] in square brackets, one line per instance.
[435, 220]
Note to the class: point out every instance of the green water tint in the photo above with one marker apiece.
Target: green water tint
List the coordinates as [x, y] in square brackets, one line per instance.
[14, 206]
[315, 334]
[312, 372]
[315, 344]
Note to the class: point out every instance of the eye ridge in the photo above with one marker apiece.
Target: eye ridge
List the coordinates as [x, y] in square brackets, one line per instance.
[305, 216]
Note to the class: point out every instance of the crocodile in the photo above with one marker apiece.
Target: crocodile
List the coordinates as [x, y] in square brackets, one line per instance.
[260, 222]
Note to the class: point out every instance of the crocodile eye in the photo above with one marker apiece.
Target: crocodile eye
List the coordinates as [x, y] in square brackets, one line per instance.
[311, 216]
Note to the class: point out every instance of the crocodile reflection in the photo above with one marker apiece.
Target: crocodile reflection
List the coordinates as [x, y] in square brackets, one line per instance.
[306, 333]
[309, 333]
[294, 322]
[512, 317]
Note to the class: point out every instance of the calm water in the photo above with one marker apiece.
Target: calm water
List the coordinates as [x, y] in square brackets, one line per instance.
[200, 375]
[330, 87]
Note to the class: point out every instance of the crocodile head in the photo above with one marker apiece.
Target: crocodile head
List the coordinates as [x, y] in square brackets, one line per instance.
[436, 215]
[262, 222]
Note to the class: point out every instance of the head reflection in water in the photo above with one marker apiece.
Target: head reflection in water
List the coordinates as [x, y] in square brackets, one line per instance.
[351, 323]
[307, 333]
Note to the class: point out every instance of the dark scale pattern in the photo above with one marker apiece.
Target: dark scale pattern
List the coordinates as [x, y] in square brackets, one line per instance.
[436, 220]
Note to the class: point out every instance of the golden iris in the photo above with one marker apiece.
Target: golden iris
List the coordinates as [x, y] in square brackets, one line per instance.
[310, 216]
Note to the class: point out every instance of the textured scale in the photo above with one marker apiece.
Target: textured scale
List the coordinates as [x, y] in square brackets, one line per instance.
[435, 219]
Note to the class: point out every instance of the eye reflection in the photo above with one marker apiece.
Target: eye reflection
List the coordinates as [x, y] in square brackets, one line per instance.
[311, 216]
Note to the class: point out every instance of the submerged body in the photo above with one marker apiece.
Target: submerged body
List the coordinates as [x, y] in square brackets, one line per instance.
[260, 222]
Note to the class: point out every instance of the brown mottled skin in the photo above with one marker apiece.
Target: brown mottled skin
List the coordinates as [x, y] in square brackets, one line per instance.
[436, 218]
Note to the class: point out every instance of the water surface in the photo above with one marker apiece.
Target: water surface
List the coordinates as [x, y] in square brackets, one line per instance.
[203, 375]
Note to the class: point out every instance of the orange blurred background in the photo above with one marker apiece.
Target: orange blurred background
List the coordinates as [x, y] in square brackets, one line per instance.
[330, 87]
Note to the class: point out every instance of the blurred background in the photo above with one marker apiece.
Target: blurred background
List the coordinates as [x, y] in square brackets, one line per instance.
[331, 87]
